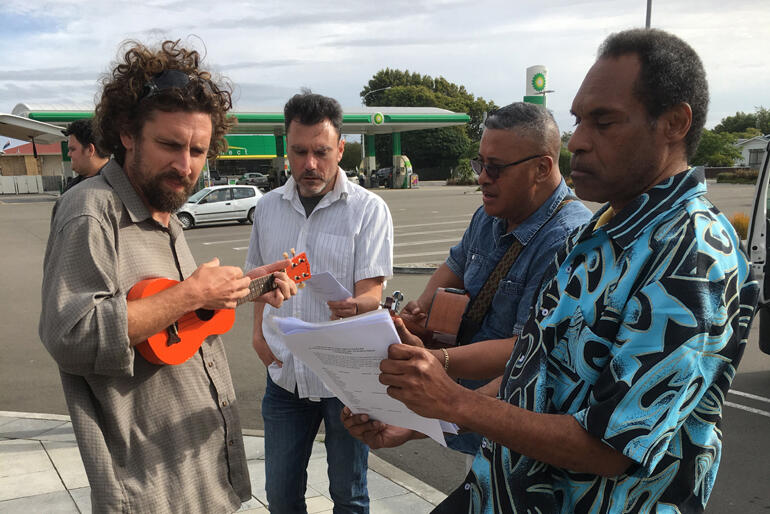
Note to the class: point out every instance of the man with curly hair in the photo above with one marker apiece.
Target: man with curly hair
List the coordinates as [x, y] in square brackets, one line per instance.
[153, 438]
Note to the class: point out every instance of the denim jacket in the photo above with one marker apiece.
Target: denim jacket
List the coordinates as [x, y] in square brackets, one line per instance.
[485, 242]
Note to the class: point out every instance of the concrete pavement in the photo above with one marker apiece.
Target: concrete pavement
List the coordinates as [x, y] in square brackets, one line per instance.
[41, 471]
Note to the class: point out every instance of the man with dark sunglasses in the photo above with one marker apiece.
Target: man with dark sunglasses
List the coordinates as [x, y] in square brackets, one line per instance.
[612, 398]
[153, 438]
[527, 208]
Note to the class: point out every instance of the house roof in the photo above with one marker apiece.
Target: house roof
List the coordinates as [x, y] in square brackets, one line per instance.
[26, 149]
[744, 142]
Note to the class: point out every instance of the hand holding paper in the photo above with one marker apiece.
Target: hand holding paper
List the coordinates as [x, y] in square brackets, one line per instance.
[346, 355]
[419, 381]
[327, 287]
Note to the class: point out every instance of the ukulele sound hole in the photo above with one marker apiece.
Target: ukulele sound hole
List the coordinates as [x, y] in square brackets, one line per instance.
[204, 314]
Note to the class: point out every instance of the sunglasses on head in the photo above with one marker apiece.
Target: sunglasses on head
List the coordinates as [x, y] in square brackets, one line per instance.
[494, 170]
[165, 80]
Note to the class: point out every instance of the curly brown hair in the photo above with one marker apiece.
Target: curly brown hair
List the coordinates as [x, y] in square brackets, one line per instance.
[125, 105]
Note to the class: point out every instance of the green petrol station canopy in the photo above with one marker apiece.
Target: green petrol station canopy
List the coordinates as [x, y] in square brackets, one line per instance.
[253, 136]
[361, 120]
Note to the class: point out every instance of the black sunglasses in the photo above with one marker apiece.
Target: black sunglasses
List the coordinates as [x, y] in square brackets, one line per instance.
[493, 170]
[165, 80]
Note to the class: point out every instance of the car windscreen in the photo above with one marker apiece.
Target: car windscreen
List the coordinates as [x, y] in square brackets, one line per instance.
[197, 196]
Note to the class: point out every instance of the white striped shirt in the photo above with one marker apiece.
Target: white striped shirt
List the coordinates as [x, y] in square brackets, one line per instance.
[349, 234]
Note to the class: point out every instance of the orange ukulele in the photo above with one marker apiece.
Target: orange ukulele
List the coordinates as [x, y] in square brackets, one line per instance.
[180, 341]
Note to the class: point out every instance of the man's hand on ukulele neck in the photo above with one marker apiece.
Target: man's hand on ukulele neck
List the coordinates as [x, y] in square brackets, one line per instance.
[217, 287]
[285, 288]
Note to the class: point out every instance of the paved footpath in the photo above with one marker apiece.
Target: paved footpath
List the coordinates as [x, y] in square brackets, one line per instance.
[41, 471]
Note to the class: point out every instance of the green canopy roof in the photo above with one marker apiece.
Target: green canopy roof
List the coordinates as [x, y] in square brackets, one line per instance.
[361, 120]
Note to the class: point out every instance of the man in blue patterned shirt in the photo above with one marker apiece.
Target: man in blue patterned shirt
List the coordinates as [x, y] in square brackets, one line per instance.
[612, 398]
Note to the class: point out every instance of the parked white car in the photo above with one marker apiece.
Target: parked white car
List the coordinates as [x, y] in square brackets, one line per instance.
[220, 203]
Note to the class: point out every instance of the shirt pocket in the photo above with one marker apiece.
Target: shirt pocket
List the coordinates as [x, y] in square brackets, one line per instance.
[476, 272]
[505, 305]
[335, 254]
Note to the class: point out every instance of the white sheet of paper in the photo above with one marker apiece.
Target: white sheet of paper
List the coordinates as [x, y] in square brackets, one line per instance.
[449, 428]
[327, 287]
[346, 355]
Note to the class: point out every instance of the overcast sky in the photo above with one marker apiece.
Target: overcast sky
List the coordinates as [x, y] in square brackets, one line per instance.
[54, 52]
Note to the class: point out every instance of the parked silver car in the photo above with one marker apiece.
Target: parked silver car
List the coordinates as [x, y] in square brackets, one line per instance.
[220, 203]
[254, 178]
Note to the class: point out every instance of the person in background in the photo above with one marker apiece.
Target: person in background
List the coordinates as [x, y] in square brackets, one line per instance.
[86, 156]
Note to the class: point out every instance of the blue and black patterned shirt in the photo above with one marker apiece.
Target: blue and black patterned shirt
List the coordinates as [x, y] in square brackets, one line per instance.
[637, 335]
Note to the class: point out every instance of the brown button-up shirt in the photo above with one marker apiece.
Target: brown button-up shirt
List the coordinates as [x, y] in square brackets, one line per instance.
[152, 438]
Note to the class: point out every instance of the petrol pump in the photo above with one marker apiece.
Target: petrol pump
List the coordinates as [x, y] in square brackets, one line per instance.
[402, 172]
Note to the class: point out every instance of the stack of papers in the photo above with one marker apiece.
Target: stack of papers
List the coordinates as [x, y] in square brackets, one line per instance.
[346, 355]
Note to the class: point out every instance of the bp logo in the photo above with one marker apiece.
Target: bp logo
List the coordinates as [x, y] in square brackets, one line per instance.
[378, 118]
[538, 82]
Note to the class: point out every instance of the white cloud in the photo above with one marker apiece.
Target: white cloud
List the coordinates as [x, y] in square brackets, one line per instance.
[271, 49]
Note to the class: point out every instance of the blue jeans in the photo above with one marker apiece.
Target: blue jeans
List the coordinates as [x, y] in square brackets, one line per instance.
[291, 424]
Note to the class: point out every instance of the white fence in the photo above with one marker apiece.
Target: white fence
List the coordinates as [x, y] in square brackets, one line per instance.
[23, 184]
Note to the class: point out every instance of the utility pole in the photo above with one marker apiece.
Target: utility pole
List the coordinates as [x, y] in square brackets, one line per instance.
[649, 13]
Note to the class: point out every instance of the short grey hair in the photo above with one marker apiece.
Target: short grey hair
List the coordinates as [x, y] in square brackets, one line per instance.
[529, 120]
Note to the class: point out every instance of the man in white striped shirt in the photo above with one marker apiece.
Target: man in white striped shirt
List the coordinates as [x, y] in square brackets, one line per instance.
[347, 231]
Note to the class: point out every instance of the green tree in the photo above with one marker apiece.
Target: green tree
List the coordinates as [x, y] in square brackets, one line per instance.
[716, 149]
[763, 120]
[564, 161]
[565, 156]
[740, 122]
[352, 156]
[427, 148]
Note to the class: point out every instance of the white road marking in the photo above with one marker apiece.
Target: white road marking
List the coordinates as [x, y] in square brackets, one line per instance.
[751, 396]
[433, 241]
[406, 234]
[748, 409]
[421, 254]
[465, 220]
[207, 243]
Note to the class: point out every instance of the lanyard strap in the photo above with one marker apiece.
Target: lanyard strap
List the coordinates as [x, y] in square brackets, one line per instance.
[479, 306]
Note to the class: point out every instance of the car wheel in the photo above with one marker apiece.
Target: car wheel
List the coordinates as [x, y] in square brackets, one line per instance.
[186, 220]
[250, 216]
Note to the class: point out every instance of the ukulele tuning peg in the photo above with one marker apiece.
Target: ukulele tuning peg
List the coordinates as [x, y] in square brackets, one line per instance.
[293, 252]
[301, 285]
[285, 255]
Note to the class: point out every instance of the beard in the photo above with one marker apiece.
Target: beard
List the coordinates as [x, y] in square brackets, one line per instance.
[153, 188]
[307, 190]
[164, 200]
